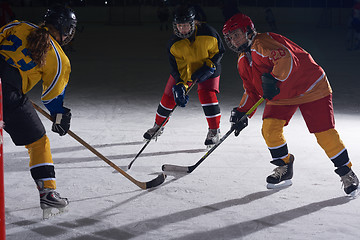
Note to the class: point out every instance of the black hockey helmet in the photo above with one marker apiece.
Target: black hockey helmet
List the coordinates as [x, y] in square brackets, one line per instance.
[184, 14]
[64, 20]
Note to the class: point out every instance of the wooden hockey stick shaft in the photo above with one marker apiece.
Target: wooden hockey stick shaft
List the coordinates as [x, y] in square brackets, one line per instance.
[143, 185]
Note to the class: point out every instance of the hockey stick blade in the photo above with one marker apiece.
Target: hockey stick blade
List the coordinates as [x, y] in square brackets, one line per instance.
[156, 181]
[189, 169]
[175, 168]
[143, 185]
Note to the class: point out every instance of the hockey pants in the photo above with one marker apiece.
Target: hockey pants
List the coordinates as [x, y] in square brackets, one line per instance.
[319, 118]
[25, 127]
[207, 97]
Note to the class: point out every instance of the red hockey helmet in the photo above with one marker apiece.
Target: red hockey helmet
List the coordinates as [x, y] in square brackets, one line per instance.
[242, 22]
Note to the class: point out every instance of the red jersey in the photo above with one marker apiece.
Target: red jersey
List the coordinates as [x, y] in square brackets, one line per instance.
[300, 78]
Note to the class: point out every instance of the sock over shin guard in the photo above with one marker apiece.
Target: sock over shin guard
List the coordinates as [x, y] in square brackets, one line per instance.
[165, 107]
[41, 163]
[210, 105]
[334, 148]
[272, 131]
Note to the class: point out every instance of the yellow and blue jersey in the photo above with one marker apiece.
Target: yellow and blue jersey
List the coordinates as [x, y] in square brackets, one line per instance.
[189, 54]
[54, 73]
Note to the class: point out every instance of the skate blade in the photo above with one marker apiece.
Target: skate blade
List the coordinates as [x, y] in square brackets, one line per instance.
[282, 184]
[154, 138]
[354, 194]
[52, 212]
[209, 146]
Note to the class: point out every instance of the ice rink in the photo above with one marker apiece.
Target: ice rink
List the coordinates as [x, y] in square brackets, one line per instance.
[118, 77]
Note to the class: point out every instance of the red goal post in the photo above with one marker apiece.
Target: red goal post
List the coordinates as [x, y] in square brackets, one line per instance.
[2, 194]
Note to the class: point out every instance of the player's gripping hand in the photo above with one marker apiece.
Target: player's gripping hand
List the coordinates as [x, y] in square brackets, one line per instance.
[269, 86]
[236, 122]
[61, 124]
[203, 73]
[180, 96]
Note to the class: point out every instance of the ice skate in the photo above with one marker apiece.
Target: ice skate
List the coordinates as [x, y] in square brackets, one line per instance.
[51, 203]
[149, 134]
[212, 137]
[282, 174]
[350, 183]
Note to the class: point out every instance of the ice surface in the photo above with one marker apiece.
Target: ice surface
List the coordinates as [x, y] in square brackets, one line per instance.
[118, 76]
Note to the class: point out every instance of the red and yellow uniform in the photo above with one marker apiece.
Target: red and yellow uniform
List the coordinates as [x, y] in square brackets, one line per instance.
[301, 79]
[302, 83]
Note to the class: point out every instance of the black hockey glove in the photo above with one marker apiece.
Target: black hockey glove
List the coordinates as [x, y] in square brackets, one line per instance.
[61, 124]
[180, 96]
[270, 89]
[237, 122]
[203, 73]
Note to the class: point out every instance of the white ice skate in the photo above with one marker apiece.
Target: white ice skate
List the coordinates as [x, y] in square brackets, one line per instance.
[52, 204]
[212, 138]
[351, 184]
[153, 132]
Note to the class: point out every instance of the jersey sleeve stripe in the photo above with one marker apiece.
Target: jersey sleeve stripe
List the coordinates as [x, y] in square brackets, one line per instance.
[9, 26]
[56, 78]
[31, 24]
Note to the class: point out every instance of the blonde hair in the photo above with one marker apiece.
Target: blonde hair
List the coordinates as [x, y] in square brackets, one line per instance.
[38, 43]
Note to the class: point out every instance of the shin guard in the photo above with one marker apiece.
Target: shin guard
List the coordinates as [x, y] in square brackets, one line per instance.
[272, 131]
[41, 163]
[334, 148]
[165, 107]
[210, 105]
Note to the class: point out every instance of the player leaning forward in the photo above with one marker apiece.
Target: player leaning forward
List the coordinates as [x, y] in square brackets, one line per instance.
[30, 53]
[195, 51]
[274, 67]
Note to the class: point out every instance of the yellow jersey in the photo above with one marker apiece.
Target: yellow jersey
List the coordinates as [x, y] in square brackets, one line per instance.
[54, 73]
[189, 54]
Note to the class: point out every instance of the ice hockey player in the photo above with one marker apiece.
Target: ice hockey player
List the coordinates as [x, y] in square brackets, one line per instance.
[195, 51]
[30, 53]
[273, 67]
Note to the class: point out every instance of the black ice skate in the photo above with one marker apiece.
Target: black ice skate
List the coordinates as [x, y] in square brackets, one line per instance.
[212, 137]
[282, 175]
[350, 181]
[51, 203]
[153, 132]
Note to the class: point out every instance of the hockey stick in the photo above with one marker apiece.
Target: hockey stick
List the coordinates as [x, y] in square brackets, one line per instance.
[162, 124]
[143, 185]
[189, 169]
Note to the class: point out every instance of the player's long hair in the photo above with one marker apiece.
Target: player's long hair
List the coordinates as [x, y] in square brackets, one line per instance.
[39, 44]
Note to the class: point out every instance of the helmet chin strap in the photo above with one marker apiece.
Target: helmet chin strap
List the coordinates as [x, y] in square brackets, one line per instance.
[61, 42]
[56, 34]
[246, 46]
[68, 38]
